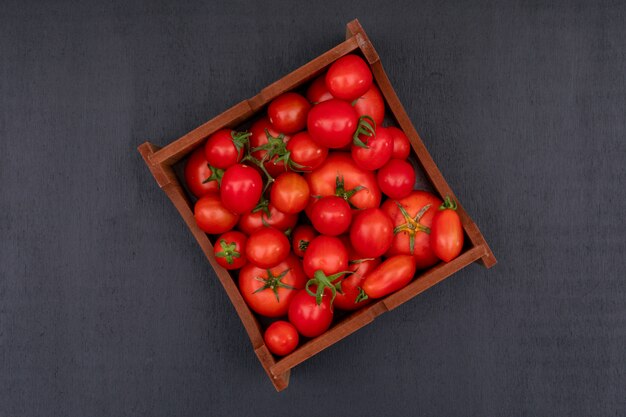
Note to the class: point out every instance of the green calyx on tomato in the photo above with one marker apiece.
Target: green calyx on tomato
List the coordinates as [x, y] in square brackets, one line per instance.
[273, 282]
[367, 127]
[240, 140]
[321, 281]
[340, 190]
[448, 204]
[216, 175]
[228, 252]
[264, 206]
[412, 225]
[361, 297]
[274, 148]
[302, 245]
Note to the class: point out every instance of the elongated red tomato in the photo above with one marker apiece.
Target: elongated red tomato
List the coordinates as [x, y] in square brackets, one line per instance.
[287, 112]
[269, 292]
[267, 247]
[225, 148]
[311, 319]
[317, 91]
[331, 215]
[290, 193]
[332, 123]
[371, 233]
[325, 253]
[401, 144]
[349, 77]
[396, 179]
[211, 215]
[376, 152]
[251, 221]
[199, 176]
[393, 274]
[305, 152]
[241, 188]
[371, 104]
[446, 235]
[301, 237]
[281, 338]
[230, 250]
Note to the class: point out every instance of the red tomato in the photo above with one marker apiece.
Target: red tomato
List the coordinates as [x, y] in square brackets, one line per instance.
[267, 247]
[230, 250]
[311, 319]
[275, 145]
[225, 148]
[393, 274]
[332, 123]
[199, 175]
[371, 104]
[281, 338]
[401, 144]
[325, 253]
[359, 186]
[290, 193]
[251, 221]
[377, 150]
[331, 215]
[305, 152]
[446, 232]
[301, 237]
[287, 112]
[269, 292]
[349, 77]
[396, 179]
[412, 226]
[211, 215]
[241, 188]
[350, 289]
[317, 91]
[371, 233]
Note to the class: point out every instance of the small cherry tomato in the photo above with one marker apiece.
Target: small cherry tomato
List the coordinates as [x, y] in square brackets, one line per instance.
[290, 193]
[349, 77]
[395, 273]
[374, 151]
[332, 123]
[266, 216]
[267, 247]
[401, 144]
[281, 338]
[317, 91]
[241, 188]
[199, 176]
[275, 144]
[301, 237]
[371, 104]
[211, 215]
[230, 250]
[287, 112]
[331, 215]
[225, 148]
[305, 152]
[396, 179]
[371, 233]
[325, 253]
[310, 318]
[446, 232]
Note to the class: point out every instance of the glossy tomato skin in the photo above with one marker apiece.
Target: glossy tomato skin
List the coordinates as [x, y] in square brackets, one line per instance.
[371, 104]
[371, 233]
[241, 188]
[306, 152]
[220, 149]
[396, 179]
[267, 247]
[390, 276]
[378, 150]
[317, 91]
[301, 238]
[265, 302]
[197, 170]
[287, 112]
[351, 284]
[413, 203]
[349, 77]
[331, 215]
[230, 250]
[325, 253]
[258, 137]
[332, 123]
[290, 193]
[446, 234]
[401, 144]
[307, 316]
[212, 216]
[250, 222]
[323, 180]
[281, 338]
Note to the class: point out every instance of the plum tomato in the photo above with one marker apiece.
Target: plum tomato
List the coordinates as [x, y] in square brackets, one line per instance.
[391, 275]
[446, 232]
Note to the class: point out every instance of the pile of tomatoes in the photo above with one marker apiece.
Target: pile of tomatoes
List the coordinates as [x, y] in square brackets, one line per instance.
[314, 207]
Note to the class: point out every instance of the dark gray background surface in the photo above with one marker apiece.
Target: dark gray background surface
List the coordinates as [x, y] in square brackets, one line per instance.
[109, 308]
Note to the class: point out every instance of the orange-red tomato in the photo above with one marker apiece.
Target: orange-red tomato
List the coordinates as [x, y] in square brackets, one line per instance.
[446, 234]
[211, 215]
[287, 112]
[281, 338]
[290, 193]
[395, 273]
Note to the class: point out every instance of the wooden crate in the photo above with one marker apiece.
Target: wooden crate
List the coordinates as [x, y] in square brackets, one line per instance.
[161, 161]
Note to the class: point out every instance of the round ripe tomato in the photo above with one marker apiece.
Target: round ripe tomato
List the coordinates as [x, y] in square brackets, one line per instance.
[301, 237]
[371, 233]
[305, 152]
[446, 236]
[211, 215]
[241, 188]
[350, 289]
[331, 215]
[317, 91]
[396, 179]
[275, 145]
[359, 186]
[199, 175]
[371, 104]
[267, 247]
[349, 77]
[311, 319]
[332, 123]
[395, 273]
[253, 220]
[377, 151]
[225, 148]
[230, 250]
[325, 253]
[290, 193]
[412, 226]
[401, 144]
[281, 338]
[269, 291]
[287, 112]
